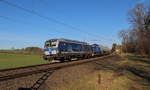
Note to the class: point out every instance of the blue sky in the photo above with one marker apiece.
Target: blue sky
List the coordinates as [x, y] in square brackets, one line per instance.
[97, 21]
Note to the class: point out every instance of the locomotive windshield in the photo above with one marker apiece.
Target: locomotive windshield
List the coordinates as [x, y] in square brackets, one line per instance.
[50, 44]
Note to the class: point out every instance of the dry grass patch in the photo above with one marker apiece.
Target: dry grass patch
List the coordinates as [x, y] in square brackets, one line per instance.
[101, 80]
[117, 73]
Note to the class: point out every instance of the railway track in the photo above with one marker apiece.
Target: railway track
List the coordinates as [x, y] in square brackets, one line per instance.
[9, 74]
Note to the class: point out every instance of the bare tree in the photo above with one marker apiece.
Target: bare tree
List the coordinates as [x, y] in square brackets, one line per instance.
[123, 34]
[137, 38]
[113, 47]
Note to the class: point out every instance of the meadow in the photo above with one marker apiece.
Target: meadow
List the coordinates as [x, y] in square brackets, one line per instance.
[8, 60]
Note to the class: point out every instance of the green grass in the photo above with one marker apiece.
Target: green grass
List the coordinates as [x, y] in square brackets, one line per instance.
[19, 60]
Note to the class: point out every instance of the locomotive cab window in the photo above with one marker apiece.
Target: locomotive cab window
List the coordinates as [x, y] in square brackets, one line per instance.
[50, 44]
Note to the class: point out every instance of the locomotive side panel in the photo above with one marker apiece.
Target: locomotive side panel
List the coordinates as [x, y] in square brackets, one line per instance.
[74, 50]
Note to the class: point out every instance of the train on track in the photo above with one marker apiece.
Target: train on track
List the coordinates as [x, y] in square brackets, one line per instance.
[65, 49]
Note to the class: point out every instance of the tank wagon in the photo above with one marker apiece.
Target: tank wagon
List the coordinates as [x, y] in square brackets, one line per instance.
[62, 49]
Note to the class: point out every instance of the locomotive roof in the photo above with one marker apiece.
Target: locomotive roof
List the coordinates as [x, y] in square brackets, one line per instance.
[68, 40]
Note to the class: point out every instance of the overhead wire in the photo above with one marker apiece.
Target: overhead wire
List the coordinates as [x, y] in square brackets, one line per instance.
[21, 22]
[51, 19]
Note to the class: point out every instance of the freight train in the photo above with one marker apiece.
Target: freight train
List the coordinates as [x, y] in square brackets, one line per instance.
[65, 49]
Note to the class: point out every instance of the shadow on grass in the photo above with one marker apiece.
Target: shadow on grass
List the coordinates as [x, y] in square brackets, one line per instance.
[140, 59]
[140, 73]
[24, 89]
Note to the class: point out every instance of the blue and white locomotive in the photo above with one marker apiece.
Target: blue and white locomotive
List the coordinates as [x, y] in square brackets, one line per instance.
[96, 50]
[62, 49]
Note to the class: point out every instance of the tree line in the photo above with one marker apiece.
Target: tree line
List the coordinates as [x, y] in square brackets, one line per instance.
[27, 50]
[136, 39]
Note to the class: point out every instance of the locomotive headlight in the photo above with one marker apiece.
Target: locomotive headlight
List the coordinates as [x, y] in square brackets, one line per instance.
[54, 51]
[46, 53]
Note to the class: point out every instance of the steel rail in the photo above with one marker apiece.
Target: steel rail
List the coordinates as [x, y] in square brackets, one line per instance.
[53, 67]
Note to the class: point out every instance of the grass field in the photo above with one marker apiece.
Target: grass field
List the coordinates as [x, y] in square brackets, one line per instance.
[19, 60]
